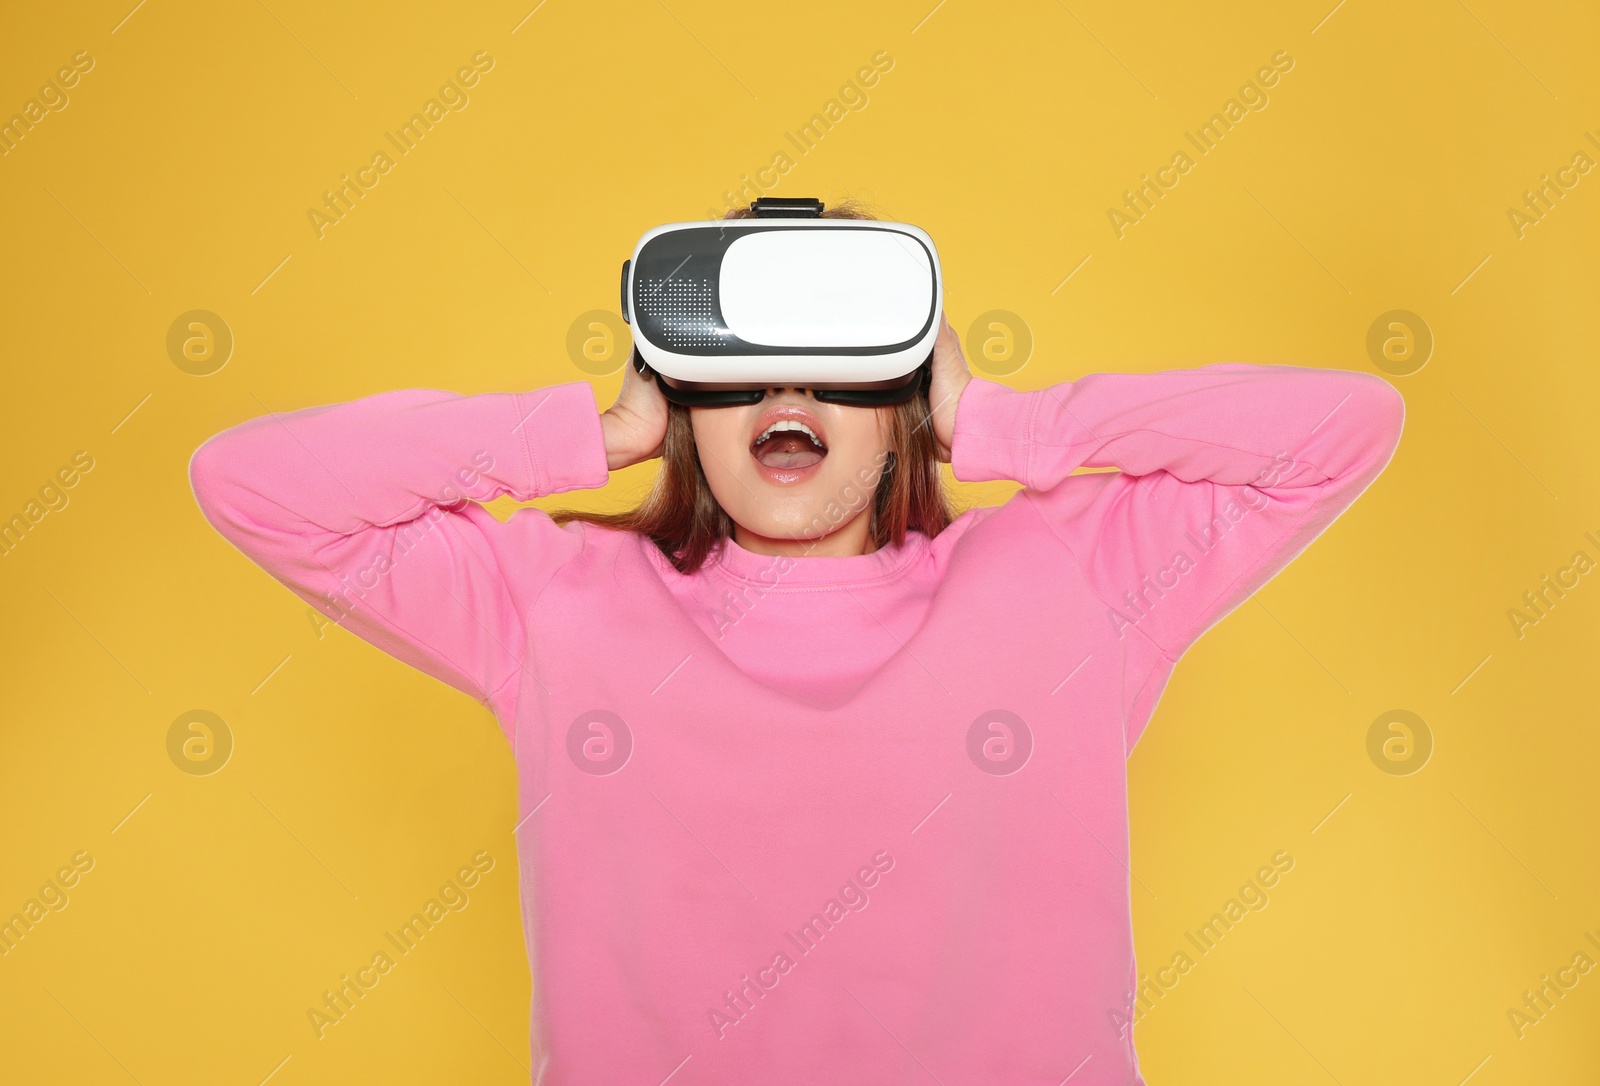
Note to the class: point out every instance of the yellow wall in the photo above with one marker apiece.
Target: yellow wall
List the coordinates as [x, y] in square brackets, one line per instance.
[1378, 177]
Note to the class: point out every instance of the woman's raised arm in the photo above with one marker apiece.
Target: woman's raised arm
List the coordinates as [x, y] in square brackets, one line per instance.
[362, 509]
[1227, 472]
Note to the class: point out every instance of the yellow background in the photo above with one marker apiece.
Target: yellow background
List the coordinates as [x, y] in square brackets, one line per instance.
[1378, 178]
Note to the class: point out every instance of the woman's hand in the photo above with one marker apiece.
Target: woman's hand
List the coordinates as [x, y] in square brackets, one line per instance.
[636, 424]
[950, 380]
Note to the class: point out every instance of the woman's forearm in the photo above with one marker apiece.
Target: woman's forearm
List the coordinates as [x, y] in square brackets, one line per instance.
[1229, 423]
[1227, 472]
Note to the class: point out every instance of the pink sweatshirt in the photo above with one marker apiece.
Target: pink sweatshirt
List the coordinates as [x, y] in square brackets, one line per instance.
[858, 820]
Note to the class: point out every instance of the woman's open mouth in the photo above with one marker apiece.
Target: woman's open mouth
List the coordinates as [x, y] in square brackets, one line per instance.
[788, 443]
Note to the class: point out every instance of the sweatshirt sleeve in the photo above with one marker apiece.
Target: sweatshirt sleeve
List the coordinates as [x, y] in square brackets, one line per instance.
[1225, 474]
[366, 511]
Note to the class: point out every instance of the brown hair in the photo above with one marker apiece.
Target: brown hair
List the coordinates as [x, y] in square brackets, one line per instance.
[682, 517]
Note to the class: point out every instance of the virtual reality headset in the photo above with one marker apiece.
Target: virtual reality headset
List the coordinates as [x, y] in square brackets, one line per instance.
[723, 310]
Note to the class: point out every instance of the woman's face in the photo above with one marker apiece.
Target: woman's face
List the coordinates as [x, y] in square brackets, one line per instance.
[774, 480]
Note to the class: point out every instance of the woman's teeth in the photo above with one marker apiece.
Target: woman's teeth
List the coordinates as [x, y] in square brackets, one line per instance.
[790, 424]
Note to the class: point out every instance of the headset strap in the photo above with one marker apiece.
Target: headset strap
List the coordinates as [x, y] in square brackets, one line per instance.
[779, 207]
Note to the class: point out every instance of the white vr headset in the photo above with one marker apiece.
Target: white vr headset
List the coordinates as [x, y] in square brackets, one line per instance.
[725, 309]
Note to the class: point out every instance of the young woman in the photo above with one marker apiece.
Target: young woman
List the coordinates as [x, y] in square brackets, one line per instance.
[819, 781]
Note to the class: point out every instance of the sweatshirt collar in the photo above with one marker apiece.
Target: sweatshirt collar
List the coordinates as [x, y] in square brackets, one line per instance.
[814, 570]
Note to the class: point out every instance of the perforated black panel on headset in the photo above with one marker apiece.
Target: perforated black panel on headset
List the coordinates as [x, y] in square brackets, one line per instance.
[685, 308]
